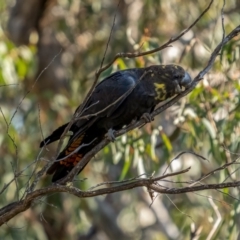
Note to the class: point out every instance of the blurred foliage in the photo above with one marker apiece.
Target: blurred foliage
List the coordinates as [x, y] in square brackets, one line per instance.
[207, 121]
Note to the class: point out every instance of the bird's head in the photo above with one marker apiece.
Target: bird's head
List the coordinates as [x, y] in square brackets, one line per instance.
[169, 80]
[175, 73]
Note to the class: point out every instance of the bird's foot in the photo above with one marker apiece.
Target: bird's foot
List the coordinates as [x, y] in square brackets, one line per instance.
[147, 117]
[69, 134]
[110, 135]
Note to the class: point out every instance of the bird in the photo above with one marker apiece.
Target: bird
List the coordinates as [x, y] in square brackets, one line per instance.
[119, 99]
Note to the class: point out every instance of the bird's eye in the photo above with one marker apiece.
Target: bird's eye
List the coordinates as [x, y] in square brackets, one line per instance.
[177, 76]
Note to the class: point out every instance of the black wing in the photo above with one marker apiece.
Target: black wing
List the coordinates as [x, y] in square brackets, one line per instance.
[106, 98]
[104, 101]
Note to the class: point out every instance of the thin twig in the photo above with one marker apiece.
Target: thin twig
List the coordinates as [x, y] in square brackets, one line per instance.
[213, 172]
[178, 208]
[218, 221]
[165, 45]
[31, 88]
[180, 154]
[97, 74]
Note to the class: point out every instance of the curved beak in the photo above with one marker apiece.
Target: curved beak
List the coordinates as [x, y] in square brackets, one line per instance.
[186, 80]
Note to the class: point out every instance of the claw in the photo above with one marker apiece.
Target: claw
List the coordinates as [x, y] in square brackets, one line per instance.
[147, 117]
[110, 135]
[69, 133]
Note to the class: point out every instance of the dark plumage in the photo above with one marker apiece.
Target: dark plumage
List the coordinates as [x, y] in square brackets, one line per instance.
[116, 101]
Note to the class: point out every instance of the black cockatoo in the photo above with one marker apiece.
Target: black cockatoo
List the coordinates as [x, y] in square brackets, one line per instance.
[120, 98]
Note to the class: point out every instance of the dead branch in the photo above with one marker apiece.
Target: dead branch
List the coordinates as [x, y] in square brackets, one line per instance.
[17, 207]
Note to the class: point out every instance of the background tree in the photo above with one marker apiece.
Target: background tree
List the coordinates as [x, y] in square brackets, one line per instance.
[44, 44]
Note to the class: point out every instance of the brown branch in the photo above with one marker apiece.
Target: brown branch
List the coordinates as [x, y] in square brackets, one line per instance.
[17, 207]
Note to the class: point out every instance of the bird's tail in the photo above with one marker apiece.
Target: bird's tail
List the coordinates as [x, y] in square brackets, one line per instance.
[60, 171]
[54, 136]
[67, 159]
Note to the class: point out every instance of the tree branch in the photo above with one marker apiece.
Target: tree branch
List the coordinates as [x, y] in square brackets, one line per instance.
[17, 207]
